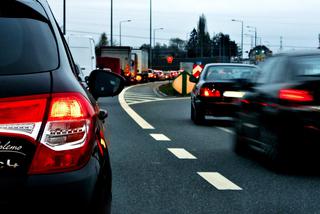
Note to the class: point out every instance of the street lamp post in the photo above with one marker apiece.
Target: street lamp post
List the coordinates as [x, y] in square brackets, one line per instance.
[255, 34]
[111, 28]
[64, 17]
[251, 39]
[150, 45]
[120, 23]
[154, 35]
[234, 20]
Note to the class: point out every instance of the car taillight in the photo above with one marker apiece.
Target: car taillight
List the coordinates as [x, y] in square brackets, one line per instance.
[22, 115]
[206, 92]
[295, 95]
[66, 142]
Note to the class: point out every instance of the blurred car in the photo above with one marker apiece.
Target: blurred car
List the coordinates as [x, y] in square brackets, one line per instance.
[280, 114]
[174, 74]
[54, 155]
[167, 75]
[151, 75]
[159, 75]
[218, 88]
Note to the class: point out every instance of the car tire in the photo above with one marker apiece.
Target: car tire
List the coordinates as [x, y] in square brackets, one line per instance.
[240, 145]
[275, 149]
[197, 117]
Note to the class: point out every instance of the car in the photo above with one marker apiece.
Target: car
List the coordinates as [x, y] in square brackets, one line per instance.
[278, 115]
[218, 89]
[167, 75]
[53, 151]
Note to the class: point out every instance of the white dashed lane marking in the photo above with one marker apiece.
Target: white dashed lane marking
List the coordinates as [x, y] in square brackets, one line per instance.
[181, 153]
[219, 181]
[160, 137]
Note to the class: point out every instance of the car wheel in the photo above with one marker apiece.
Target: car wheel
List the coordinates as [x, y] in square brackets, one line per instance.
[197, 117]
[240, 145]
[275, 150]
[192, 113]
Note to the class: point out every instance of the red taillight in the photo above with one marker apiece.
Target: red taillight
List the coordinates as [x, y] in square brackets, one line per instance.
[22, 115]
[295, 95]
[66, 142]
[206, 92]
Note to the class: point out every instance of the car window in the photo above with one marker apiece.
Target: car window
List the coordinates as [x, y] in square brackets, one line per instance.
[307, 65]
[27, 43]
[229, 72]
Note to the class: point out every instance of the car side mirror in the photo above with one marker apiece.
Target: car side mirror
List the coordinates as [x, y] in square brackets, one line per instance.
[193, 79]
[103, 83]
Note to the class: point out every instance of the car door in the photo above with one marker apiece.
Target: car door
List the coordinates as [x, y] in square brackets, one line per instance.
[254, 101]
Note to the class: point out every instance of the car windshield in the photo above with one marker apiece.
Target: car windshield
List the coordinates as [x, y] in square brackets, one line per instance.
[24, 31]
[229, 72]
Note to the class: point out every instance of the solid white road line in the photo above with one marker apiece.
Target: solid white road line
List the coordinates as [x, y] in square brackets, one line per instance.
[181, 153]
[160, 137]
[137, 118]
[226, 130]
[219, 181]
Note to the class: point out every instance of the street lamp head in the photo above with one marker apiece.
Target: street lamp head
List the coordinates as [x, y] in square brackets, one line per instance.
[129, 20]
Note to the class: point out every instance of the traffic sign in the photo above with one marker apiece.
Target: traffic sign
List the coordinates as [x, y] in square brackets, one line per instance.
[197, 69]
[182, 84]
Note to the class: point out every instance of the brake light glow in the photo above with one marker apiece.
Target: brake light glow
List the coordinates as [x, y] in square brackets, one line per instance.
[67, 139]
[206, 92]
[295, 95]
[65, 108]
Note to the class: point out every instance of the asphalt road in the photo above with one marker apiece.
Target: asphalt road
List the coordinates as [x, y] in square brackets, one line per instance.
[149, 176]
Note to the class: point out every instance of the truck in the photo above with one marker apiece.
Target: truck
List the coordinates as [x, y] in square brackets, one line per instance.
[109, 63]
[83, 51]
[124, 55]
[140, 58]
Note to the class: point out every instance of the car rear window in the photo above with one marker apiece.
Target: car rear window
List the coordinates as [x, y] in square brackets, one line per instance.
[307, 65]
[27, 43]
[229, 72]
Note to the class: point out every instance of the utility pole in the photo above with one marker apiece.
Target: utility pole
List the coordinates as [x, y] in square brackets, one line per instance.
[281, 43]
[64, 17]
[319, 41]
[150, 50]
[111, 30]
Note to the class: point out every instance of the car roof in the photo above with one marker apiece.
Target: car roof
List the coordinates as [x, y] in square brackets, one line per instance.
[299, 53]
[231, 64]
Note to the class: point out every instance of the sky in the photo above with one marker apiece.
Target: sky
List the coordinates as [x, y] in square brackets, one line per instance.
[298, 22]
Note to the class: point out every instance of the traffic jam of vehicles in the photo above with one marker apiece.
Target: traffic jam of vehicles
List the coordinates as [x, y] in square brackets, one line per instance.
[54, 135]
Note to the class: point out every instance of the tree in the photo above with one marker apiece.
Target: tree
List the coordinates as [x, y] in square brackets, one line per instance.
[102, 42]
[200, 44]
[223, 47]
[204, 41]
[177, 43]
[192, 44]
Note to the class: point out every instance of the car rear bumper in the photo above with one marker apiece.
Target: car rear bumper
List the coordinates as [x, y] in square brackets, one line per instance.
[222, 109]
[72, 191]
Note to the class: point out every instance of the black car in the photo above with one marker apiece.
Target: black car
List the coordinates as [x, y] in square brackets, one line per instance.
[279, 116]
[218, 89]
[53, 152]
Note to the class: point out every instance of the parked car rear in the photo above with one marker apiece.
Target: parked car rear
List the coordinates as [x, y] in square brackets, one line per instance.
[53, 151]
